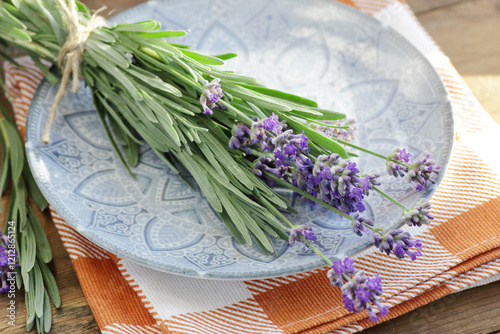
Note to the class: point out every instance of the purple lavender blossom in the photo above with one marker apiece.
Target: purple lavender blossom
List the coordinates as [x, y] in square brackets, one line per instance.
[395, 169]
[338, 268]
[423, 172]
[420, 173]
[331, 179]
[5, 263]
[273, 124]
[335, 181]
[343, 134]
[299, 230]
[359, 292]
[262, 164]
[397, 242]
[419, 214]
[241, 138]
[359, 225]
[212, 92]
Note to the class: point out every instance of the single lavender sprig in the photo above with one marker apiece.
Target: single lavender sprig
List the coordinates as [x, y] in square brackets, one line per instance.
[209, 99]
[419, 214]
[397, 242]
[361, 225]
[394, 160]
[423, 172]
[359, 292]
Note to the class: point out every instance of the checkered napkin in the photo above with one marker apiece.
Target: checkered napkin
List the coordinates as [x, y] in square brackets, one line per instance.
[462, 245]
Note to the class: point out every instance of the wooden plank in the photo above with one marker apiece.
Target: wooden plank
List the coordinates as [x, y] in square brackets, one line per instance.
[471, 311]
[469, 33]
[420, 6]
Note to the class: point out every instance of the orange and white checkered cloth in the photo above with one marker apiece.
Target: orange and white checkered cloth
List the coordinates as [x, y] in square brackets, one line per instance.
[462, 245]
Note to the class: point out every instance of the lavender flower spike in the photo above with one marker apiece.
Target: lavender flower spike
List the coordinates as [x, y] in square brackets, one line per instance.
[212, 92]
[359, 292]
[359, 225]
[423, 172]
[298, 230]
[395, 169]
[397, 242]
[418, 215]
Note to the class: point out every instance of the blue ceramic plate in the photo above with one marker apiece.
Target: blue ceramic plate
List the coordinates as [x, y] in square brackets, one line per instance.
[322, 50]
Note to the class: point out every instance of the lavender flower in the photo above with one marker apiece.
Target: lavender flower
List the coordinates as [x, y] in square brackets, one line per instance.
[335, 181]
[212, 92]
[359, 225]
[395, 169]
[422, 172]
[418, 215]
[397, 242]
[241, 138]
[338, 269]
[359, 292]
[344, 134]
[331, 179]
[419, 173]
[4, 263]
[262, 164]
[273, 124]
[299, 230]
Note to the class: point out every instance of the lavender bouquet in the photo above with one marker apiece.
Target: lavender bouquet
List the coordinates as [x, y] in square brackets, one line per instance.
[236, 138]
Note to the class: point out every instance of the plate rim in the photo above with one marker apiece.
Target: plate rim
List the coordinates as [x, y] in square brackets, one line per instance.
[173, 269]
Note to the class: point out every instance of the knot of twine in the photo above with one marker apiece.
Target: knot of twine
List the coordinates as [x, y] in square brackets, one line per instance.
[72, 52]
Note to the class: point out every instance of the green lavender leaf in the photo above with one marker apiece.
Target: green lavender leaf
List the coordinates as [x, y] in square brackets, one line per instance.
[50, 284]
[231, 226]
[282, 95]
[226, 56]
[256, 98]
[117, 118]
[5, 172]
[42, 243]
[100, 113]
[39, 290]
[202, 58]
[205, 149]
[164, 33]
[201, 179]
[30, 298]
[103, 35]
[10, 19]
[108, 52]
[30, 248]
[21, 195]
[39, 324]
[144, 26]
[235, 214]
[47, 312]
[13, 142]
[153, 81]
[226, 160]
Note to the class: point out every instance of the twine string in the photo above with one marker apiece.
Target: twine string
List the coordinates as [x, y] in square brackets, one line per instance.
[72, 53]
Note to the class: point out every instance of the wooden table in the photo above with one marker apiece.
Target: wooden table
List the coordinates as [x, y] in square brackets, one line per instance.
[469, 33]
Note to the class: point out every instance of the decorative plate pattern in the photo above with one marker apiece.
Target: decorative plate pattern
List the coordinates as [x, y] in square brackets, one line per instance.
[319, 49]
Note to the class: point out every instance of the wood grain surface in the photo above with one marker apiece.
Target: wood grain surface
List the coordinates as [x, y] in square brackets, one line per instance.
[468, 31]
